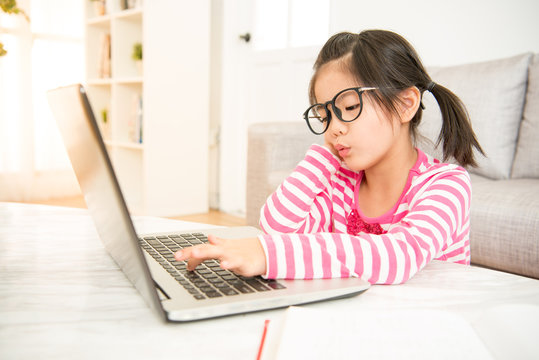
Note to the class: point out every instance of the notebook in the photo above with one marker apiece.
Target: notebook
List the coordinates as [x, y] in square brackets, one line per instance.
[147, 259]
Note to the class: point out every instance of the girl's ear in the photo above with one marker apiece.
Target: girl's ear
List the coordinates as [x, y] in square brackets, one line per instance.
[410, 99]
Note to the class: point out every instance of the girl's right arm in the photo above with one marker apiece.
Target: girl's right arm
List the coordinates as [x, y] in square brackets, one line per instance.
[302, 203]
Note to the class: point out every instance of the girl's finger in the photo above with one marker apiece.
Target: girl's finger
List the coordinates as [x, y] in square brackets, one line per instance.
[200, 253]
[183, 254]
[214, 240]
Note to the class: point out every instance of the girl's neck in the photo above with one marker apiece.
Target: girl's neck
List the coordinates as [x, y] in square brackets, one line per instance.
[396, 164]
[383, 184]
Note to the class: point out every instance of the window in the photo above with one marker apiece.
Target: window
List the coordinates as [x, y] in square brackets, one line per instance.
[283, 24]
[43, 54]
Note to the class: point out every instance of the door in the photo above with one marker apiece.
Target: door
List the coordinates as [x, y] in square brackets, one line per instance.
[267, 58]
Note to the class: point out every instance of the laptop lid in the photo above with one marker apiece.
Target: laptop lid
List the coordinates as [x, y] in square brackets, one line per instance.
[100, 187]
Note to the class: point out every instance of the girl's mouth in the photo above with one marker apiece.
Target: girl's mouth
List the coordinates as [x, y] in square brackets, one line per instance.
[342, 150]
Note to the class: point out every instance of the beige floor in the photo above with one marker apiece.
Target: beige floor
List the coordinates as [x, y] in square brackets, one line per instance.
[213, 217]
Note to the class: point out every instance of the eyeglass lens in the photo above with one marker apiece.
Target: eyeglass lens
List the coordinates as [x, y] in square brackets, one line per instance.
[347, 108]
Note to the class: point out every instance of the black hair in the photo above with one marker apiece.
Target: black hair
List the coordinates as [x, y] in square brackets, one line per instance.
[385, 60]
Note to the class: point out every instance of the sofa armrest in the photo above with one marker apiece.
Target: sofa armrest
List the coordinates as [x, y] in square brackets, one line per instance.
[274, 150]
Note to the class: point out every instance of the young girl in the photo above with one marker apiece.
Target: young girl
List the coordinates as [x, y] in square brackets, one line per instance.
[367, 203]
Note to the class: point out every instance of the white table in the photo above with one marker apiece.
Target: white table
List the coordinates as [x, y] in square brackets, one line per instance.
[62, 296]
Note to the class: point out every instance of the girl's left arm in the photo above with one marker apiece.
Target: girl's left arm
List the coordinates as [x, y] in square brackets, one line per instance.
[436, 226]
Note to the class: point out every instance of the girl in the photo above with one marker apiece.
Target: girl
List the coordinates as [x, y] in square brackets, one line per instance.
[367, 203]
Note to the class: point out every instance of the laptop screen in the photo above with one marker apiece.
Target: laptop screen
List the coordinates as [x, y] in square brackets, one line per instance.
[91, 163]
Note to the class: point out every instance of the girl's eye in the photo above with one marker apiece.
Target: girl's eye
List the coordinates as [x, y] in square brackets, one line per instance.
[351, 107]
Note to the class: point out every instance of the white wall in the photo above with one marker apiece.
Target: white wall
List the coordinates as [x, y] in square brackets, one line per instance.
[448, 32]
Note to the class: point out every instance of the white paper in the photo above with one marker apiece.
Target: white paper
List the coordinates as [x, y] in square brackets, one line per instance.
[307, 333]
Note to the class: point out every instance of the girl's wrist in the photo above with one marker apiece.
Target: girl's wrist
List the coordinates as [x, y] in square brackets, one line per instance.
[332, 159]
[263, 243]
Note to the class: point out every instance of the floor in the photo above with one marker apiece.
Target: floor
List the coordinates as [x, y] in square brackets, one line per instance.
[213, 217]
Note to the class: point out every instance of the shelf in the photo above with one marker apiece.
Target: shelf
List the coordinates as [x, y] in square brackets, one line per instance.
[132, 80]
[109, 81]
[102, 21]
[99, 82]
[124, 145]
[131, 14]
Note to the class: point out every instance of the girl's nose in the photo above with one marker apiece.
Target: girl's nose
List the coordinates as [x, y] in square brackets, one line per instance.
[336, 126]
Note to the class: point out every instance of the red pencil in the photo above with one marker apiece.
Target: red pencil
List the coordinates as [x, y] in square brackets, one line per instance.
[262, 340]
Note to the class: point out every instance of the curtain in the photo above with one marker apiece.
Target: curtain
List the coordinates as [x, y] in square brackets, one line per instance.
[41, 54]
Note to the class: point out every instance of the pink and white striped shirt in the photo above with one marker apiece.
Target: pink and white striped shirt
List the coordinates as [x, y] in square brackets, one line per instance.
[305, 221]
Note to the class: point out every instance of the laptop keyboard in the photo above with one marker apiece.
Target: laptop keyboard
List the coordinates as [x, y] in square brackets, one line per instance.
[208, 280]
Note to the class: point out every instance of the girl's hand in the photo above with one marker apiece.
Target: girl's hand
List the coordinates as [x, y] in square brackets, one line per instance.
[243, 256]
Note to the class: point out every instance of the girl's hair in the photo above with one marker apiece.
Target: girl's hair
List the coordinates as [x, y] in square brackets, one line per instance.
[385, 60]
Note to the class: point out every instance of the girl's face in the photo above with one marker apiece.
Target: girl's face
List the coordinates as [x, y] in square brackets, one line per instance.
[366, 141]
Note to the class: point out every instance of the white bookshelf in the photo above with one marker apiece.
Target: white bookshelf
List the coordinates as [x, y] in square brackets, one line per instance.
[173, 87]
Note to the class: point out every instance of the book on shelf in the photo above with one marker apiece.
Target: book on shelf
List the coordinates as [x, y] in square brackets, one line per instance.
[103, 66]
[134, 132]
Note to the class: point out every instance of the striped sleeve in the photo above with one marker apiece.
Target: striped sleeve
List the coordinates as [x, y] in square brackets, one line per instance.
[302, 203]
[437, 221]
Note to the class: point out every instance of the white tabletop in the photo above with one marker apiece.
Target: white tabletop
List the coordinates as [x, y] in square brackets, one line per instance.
[62, 296]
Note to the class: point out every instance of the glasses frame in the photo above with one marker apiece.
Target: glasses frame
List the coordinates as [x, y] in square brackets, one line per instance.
[359, 90]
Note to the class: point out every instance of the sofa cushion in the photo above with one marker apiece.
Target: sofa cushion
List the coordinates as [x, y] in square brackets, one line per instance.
[526, 162]
[494, 94]
[504, 225]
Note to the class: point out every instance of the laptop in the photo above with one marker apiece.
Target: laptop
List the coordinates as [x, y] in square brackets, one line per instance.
[147, 260]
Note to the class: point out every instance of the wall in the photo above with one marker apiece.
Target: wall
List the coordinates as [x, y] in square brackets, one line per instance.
[448, 32]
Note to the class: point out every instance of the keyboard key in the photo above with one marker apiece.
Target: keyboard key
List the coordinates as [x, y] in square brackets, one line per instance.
[257, 286]
[206, 289]
[275, 285]
[229, 291]
[243, 288]
[199, 282]
[215, 280]
[221, 285]
[193, 291]
[191, 275]
[213, 294]
[234, 281]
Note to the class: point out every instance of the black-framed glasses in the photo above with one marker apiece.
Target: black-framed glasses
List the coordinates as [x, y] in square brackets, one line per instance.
[347, 106]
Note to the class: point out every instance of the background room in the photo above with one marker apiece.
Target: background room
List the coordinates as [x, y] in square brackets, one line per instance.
[176, 123]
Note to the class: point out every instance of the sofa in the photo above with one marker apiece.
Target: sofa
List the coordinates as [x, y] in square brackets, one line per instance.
[502, 98]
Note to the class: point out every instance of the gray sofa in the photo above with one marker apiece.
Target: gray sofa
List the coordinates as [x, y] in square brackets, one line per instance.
[502, 98]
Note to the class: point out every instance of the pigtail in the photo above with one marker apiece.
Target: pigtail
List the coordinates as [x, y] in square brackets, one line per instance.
[457, 135]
